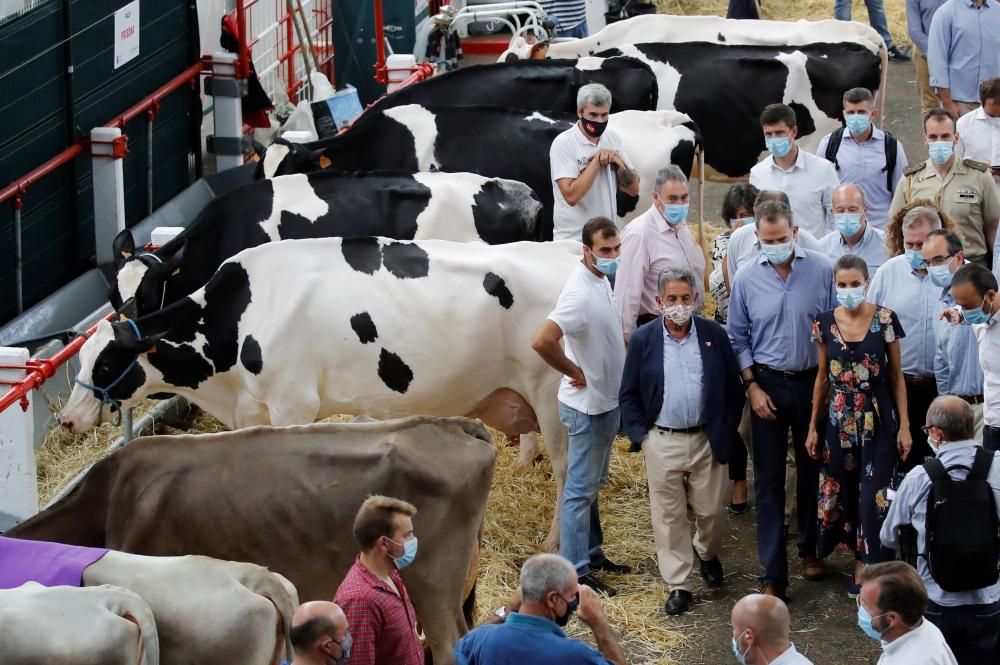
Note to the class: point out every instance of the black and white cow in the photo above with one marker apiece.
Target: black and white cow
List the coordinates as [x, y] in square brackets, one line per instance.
[534, 85]
[464, 207]
[298, 330]
[722, 73]
[492, 142]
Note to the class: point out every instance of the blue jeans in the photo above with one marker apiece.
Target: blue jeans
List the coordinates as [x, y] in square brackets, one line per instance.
[578, 31]
[876, 16]
[970, 630]
[590, 442]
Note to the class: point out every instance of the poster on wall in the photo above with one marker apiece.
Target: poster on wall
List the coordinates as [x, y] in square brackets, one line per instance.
[126, 33]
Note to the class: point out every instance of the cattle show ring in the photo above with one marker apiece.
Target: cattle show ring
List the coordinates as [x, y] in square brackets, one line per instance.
[240, 299]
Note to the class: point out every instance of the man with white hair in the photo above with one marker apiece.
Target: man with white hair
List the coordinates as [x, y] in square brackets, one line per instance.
[531, 628]
[760, 632]
[588, 166]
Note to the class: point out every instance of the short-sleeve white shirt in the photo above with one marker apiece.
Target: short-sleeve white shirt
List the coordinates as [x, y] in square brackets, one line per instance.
[810, 184]
[924, 644]
[568, 156]
[587, 314]
[979, 138]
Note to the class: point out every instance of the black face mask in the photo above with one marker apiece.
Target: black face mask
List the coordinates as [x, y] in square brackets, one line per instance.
[571, 606]
[593, 127]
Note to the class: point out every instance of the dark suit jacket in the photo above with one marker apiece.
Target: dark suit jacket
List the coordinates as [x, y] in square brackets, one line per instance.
[641, 396]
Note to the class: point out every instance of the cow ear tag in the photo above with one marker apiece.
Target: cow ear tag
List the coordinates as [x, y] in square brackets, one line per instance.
[175, 272]
[324, 162]
[126, 255]
[122, 318]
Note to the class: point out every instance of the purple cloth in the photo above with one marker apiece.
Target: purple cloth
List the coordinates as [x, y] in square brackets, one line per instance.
[49, 564]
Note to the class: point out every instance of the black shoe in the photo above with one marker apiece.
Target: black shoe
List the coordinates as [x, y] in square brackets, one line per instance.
[739, 508]
[678, 602]
[609, 566]
[711, 571]
[896, 54]
[597, 585]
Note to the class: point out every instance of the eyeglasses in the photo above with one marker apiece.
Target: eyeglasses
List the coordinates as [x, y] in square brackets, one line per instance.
[940, 260]
[926, 429]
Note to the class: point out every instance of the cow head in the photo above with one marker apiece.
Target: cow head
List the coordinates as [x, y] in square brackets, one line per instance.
[112, 373]
[140, 276]
[284, 158]
[519, 220]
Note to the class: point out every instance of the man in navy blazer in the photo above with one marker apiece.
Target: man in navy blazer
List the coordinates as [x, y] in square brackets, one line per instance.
[681, 400]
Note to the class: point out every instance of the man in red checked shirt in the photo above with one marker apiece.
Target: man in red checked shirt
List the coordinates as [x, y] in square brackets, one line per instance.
[373, 596]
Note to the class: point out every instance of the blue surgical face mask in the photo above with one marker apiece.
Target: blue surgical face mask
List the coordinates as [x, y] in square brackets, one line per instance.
[675, 213]
[848, 223]
[857, 123]
[865, 622]
[940, 275]
[779, 145]
[741, 657]
[345, 649]
[916, 259]
[940, 151]
[851, 297]
[977, 315]
[777, 254]
[607, 266]
[409, 553]
[740, 221]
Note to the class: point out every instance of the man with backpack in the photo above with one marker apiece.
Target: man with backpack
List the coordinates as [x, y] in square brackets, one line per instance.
[951, 503]
[865, 155]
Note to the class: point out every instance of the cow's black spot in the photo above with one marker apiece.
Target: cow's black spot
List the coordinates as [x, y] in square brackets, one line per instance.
[110, 364]
[722, 37]
[181, 365]
[251, 355]
[362, 254]
[853, 66]
[294, 226]
[804, 119]
[504, 213]
[497, 287]
[364, 327]
[405, 260]
[625, 202]
[227, 296]
[683, 155]
[394, 373]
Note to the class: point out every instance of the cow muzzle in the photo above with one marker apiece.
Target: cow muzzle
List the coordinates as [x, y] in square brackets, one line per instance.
[81, 412]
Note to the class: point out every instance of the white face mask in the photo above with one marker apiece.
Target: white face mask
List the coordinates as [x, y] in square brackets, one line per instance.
[933, 444]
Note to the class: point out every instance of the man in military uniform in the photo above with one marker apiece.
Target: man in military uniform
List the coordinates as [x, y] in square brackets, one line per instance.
[962, 188]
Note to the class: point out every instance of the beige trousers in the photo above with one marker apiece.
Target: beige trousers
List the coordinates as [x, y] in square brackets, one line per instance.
[978, 422]
[681, 471]
[928, 100]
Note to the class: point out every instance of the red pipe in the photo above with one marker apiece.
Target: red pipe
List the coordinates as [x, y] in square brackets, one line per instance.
[41, 370]
[20, 185]
[381, 72]
[153, 100]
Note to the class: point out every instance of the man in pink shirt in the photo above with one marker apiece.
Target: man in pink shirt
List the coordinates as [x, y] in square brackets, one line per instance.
[653, 242]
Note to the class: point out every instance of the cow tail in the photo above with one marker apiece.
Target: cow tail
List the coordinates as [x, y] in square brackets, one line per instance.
[138, 612]
[285, 599]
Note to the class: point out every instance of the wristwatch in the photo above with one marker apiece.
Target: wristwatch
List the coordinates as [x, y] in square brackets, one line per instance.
[748, 382]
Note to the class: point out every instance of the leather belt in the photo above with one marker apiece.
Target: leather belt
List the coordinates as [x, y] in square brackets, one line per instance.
[792, 376]
[681, 430]
[971, 399]
[995, 431]
[919, 380]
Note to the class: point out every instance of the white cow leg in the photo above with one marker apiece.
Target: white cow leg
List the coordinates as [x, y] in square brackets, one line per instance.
[300, 411]
[556, 443]
[529, 449]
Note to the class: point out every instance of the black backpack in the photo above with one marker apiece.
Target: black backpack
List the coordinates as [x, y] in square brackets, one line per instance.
[891, 148]
[963, 530]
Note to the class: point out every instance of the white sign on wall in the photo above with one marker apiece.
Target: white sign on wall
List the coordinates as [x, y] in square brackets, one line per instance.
[126, 33]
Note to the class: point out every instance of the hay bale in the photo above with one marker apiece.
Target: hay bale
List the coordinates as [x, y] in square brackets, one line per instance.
[793, 10]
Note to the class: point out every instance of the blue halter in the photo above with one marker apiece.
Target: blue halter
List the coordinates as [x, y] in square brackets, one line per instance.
[106, 398]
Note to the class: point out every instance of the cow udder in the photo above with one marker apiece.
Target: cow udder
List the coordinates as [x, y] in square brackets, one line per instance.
[505, 410]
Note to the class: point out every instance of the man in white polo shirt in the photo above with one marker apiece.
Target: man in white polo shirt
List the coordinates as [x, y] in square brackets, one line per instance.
[588, 166]
[808, 180]
[586, 318]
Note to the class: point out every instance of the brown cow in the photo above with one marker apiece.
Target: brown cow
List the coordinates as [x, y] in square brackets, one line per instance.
[285, 498]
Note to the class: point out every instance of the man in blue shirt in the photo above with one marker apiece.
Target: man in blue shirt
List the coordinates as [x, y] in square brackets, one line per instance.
[902, 284]
[963, 51]
[865, 155]
[918, 23]
[855, 233]
[771, 313]
[532, 628]
[956, 358]
[681, 402]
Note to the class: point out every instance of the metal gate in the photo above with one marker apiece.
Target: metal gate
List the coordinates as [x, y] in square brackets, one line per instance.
[57, 81]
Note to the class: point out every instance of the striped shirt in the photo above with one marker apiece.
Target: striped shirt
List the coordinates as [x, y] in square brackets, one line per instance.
[567, 13]
[383, 625]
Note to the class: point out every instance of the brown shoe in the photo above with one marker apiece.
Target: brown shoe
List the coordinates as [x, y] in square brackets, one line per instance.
[776, 590]
[813, 569]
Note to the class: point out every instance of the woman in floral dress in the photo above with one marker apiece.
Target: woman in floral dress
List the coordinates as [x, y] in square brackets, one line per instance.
[859, 400]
